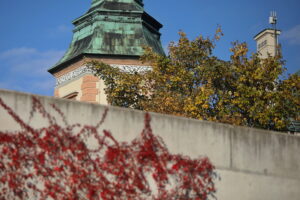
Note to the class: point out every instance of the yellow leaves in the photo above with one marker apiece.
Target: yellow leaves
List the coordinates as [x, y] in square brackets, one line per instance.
[218, 33]
[239, 50]
[242, 78]
[202, 89]
[279, 123]
[191, 82]
[205, 106]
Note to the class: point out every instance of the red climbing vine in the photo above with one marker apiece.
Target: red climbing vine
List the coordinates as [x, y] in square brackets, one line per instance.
[56, 162]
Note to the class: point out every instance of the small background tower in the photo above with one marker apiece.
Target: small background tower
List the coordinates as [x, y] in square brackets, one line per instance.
[267, 40]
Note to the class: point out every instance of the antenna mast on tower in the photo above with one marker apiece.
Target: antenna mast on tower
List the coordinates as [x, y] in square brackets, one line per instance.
[273, 22]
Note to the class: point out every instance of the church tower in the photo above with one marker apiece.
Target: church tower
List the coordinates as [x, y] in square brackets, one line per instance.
[112, 31]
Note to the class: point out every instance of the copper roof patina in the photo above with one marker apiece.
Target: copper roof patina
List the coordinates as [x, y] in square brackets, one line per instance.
[113, 28]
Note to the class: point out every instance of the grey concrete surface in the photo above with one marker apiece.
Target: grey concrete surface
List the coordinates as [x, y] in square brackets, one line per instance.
[253, 164]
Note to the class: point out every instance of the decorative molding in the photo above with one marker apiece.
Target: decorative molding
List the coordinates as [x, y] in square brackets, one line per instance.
[73, 74]
[132, 68]
[85, 70]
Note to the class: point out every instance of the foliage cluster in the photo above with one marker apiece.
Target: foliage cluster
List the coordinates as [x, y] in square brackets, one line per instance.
[192, 82]
[56, 162]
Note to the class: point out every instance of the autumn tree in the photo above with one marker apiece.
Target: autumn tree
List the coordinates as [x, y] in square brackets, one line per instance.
[192, 82]
[57, 162]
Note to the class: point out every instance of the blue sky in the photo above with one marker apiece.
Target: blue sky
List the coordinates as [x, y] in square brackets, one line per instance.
[34, 34]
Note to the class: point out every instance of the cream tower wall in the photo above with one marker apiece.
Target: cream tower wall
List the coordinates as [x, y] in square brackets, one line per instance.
[81, 85]
[102, 95]
[70, 88]
[88, 89]
[266, 42]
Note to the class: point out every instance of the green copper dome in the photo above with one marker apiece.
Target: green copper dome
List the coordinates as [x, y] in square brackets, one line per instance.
[113, 28]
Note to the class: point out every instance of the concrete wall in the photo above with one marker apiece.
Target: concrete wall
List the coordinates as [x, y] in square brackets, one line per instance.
[253, 164]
